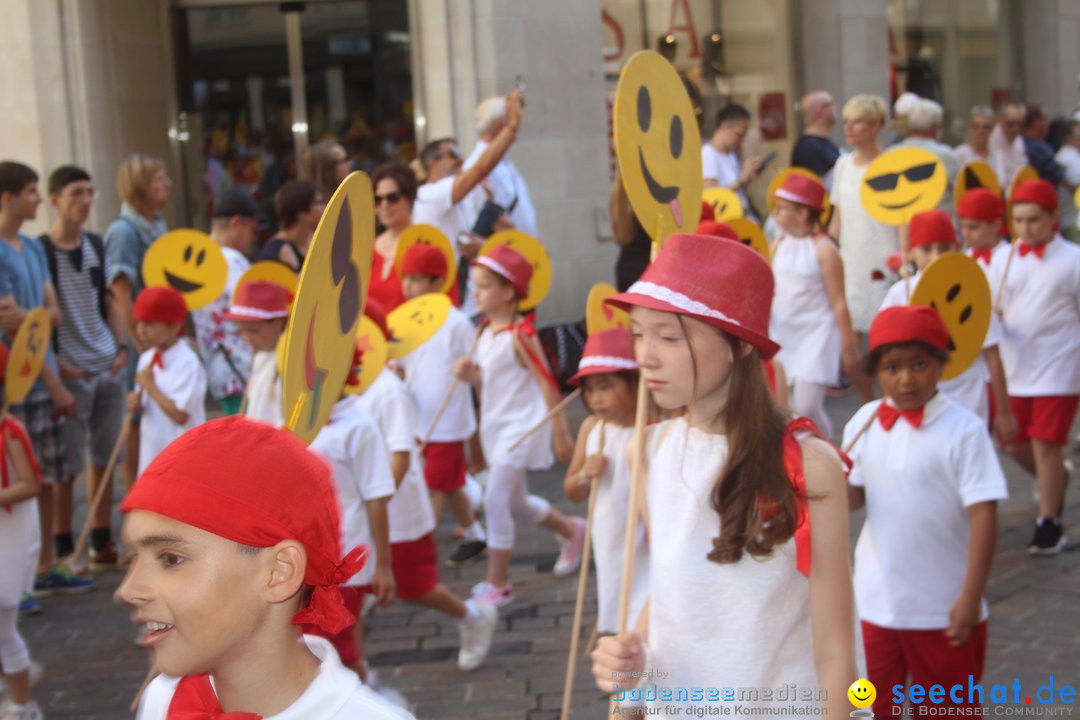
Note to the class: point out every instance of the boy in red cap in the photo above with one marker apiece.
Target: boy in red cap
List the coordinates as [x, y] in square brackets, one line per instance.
[232, 554]
[981, 212]
[920, 569]
[260, 310]
[1038, 297]
[428, 376]
[171, 376]
[932, 234]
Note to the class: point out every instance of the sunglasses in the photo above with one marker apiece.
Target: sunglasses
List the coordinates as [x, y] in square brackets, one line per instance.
[452, 152]
[888, 180]
[389, 199]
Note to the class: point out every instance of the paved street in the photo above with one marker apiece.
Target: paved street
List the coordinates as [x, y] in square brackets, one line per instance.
[93, 669]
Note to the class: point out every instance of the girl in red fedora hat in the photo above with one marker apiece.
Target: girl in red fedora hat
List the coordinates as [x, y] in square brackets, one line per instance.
[260, 310]
[608, 376]
[737, 551]
[509, 361]
[810, 317]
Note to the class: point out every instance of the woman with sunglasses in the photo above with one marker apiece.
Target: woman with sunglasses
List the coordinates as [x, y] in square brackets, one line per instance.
[395, 193]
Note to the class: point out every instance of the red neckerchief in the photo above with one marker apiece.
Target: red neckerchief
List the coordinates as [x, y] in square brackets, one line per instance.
[984, 254]
[158, 360]
[14, 428]
[195, 699]
[888, 415]
[522, 329]
[1025, 248]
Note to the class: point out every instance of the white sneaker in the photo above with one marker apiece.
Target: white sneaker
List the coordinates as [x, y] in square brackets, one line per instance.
[487, 594]
[29, 711]
[570, 556]
[476, 635]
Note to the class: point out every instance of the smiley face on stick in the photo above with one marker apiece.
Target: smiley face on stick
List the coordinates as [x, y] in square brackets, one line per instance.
[902, 182]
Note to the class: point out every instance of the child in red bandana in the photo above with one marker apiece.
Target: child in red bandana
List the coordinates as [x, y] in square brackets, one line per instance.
[171, 376]
[924, 554]
[237, 541]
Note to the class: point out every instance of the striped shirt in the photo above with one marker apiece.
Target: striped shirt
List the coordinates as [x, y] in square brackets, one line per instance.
[83, 338]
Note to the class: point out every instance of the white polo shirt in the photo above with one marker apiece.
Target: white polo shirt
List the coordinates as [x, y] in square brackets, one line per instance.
[1040, 316]
[912, 554]
[182, 379]
[435, 206]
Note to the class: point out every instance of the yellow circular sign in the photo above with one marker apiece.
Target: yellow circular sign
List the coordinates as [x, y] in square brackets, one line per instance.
[725, 203]
[373, 353]
[1025, 173]
[328, 306]
[27, 354]
[601, 316]
[275, 272]
[415, 322]
[658, 146]
[427, 235]
[1076, 197]
[750, 233]
[537, 256]
[902, 182]
[976, 174]
[189, 261]
[956, 287]
[778, 180]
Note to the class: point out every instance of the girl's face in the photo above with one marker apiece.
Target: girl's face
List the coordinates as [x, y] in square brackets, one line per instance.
[392, 208]
[610, 397]
[793, 218]
[261, 335]
[979, 234]
[688, 367]
[490, 292]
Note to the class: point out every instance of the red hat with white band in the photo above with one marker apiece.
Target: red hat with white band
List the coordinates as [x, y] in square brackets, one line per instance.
[799, 188]
[510, 265]
[258, 300]
[715, 280]
[607, 351]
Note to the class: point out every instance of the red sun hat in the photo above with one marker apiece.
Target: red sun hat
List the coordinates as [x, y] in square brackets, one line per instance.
[908, 323]
[161, 304]
[258, 300]
[1039, 192]
[717, 229]
[931, 226]
[607, 351]
[237, 478]
[981, 204]
[718, 281]
[510, 265]
[424, 259]
[799, 188]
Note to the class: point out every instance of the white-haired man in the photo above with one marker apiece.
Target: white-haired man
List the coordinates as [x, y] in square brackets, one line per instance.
[506, 184]
[924, 120]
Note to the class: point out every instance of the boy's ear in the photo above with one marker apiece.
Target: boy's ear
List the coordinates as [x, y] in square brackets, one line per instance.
[287, 565]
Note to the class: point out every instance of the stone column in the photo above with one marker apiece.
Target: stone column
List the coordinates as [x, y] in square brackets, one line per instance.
[1051, 55]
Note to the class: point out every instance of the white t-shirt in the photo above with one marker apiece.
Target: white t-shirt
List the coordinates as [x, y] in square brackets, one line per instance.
[182, 379]
[508, 189]
[429, 374]
[351, 442]
[434, 206]
[264, 389]
[336, 693]
[912, 554]
[227, 356]
[1040, 317]
[722, 167]
[966, 154]
[20, 543]
[389, 403]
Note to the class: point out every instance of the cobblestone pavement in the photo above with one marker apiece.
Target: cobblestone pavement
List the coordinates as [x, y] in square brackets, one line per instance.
[93, 669]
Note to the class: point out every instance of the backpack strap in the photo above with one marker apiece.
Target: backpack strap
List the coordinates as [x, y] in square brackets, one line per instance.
[99, 277]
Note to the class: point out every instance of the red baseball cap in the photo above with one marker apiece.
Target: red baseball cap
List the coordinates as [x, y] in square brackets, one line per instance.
[607, 351]
[931, 226]
[799, 188]
[258, 300]
[424, 259]
[1039, 192]
[908, 323]
[717, 229]
[163, 304]
[509, 264]
[981, 204]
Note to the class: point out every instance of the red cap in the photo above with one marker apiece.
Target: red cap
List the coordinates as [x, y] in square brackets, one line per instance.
[981, 204]
[607, 351]
[374, 310]
[931, 226]
[717, 229]
[509, 264]
[718, 281]
[258, 300]
[799, 188]
[237, 479]
[708, 212]
[163, 304]
[1039, 192]
[908, 323]
[424, 259]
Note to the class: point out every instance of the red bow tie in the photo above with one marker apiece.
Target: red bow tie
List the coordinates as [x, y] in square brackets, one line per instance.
[983, 254]
[1039, 250]
[195, 699]
[888, 415]
[158, 360]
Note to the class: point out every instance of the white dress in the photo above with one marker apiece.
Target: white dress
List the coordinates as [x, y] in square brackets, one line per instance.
[713, 626]
[609, 529]
[20, 543]
[511, 403]
[802, 319]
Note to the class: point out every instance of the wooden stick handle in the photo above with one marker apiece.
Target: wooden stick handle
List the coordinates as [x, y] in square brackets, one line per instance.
[862, 431]
[105, 481]
[1004, 275]
[555, 410]
[904, 249]
[446, 400]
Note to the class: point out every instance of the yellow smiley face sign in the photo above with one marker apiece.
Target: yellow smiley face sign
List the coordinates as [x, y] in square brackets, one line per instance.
[275, 272]
[862, 693]
[598, 315]
[902, 182]
[976, 174]
[373, 353]
[328, 307]
[27, 354]
[658, 146]
[725, 203]
[415, 322]
[427, 235]
[956, 287]
[190, 262]
[537, 256]
[778, 180]
[750, 233]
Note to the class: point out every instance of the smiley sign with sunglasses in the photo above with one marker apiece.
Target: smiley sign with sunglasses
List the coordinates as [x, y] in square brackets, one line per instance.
[902, 182]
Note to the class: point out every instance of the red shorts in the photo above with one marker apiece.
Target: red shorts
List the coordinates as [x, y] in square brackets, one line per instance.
[1048, 419]
[345, 641]
[414, 564]
[444, 466]
[892, 656]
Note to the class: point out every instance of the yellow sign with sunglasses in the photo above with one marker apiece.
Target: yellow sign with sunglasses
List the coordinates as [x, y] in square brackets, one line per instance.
[902, 182]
